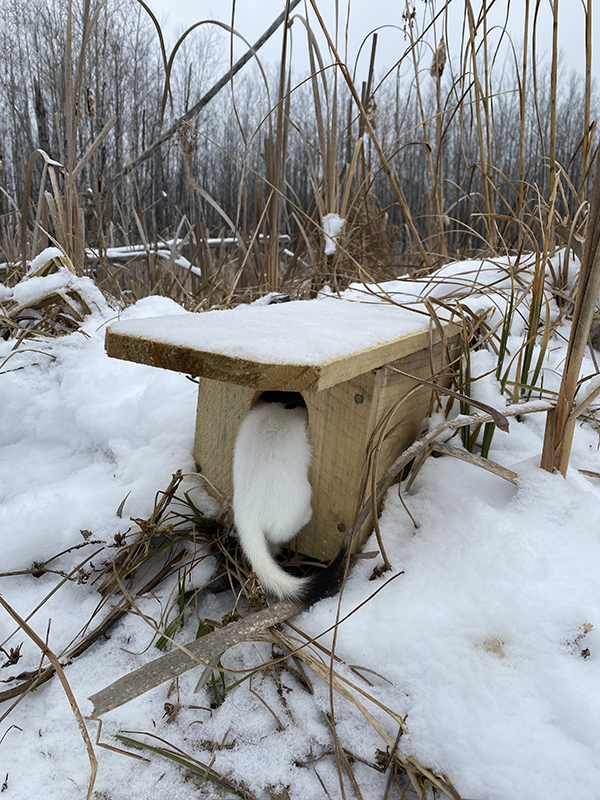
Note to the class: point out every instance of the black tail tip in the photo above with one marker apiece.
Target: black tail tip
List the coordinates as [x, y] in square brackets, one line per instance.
[328, 581]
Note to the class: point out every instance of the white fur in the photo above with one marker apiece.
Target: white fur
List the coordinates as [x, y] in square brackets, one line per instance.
[271, 491]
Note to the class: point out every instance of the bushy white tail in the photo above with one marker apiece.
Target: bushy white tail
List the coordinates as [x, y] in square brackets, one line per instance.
[272, 496]
[273, 578]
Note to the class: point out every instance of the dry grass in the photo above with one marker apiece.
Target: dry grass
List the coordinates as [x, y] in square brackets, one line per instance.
[352, 163]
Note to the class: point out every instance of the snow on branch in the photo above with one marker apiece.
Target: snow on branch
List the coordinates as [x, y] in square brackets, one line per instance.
[332, 227]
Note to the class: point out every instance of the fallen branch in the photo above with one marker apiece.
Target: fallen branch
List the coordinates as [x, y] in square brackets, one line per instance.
[193, 654]
[424, 442]
[477, 460]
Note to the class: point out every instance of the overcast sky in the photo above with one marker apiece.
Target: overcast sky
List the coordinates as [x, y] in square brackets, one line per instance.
[253, 16]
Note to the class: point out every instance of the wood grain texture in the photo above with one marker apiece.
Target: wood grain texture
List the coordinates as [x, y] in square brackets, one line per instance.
[342, 421]
[342, 431]
[221, 409]
[257, 374]
[339, 423]
[197, 653]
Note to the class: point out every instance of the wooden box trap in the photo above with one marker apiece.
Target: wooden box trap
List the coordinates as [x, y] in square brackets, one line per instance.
[341, 356]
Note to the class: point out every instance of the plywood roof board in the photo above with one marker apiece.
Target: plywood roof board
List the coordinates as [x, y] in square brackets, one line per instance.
[298, 346]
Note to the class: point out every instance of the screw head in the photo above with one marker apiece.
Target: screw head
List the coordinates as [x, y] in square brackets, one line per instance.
[341, 527]
[358, 398]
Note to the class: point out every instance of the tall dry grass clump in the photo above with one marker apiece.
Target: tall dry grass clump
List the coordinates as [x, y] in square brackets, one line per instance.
[434, 160]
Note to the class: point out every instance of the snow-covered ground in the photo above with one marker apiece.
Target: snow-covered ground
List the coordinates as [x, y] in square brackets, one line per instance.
[483, 643]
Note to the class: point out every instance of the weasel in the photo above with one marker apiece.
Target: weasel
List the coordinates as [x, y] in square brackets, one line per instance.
[272, 494]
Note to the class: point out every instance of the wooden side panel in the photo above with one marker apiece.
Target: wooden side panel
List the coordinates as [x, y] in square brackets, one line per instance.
[339, 419]
[404, 403]
[221, 409]
[343, 431]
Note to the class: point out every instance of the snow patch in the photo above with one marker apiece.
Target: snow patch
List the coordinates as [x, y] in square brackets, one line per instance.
[332, 225]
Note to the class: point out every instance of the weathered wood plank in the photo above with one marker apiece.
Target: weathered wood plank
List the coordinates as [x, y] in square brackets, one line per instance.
[221, 409]
[254, 373]
[197, 653]
[339, 424]
[218, 367]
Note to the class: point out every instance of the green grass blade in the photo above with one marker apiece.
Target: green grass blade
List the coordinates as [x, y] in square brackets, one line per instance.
[488, 435]
[193, 765]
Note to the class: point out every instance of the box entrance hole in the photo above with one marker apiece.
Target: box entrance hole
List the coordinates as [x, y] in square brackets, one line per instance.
[289, 399]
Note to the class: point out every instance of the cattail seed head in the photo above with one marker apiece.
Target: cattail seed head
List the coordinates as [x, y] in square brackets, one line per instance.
[439, 61]
[371, 111]
[91, 102]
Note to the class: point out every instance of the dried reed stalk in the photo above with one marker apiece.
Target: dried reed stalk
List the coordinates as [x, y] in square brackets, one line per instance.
[423, 443]
[437, 66]
[214, 90]
[276, 164]
[369, 129]
[522, 118]
[553, 80]
[560, 424]
[587, 139]
[481, 101]
[45, 650]
[348, 690]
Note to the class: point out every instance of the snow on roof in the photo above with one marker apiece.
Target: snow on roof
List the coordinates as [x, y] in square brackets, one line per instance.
[302, 332]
